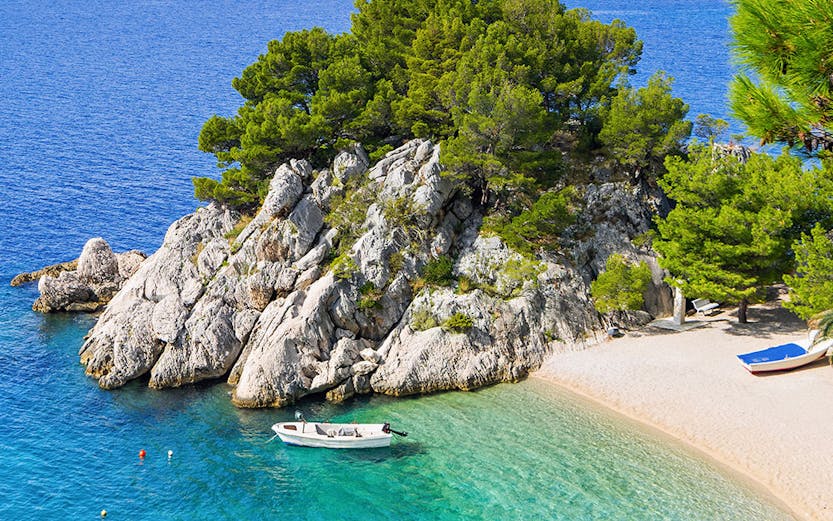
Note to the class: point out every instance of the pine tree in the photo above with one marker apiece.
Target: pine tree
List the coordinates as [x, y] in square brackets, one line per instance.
[731, 230]
[785, 46]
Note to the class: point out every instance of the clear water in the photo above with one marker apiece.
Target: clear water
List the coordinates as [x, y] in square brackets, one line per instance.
[101, 106]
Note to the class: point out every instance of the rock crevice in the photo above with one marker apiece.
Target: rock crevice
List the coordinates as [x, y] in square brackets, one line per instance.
[283, 306]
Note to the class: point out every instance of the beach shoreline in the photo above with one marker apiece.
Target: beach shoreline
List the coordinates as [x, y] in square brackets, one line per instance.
[769, 431]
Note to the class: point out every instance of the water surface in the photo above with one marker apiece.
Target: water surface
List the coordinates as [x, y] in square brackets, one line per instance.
[102, 105]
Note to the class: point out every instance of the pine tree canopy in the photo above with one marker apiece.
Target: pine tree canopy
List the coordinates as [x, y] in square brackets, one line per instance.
[499, 83]
[731, 231]
[786, 95]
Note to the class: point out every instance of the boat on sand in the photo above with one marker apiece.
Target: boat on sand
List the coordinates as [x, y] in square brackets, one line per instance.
[335, 435]
[786, 356]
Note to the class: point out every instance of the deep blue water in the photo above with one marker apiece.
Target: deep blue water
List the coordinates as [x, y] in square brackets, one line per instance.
[101, 105]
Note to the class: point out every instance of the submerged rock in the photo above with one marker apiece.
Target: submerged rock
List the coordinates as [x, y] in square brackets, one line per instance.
[283, 306]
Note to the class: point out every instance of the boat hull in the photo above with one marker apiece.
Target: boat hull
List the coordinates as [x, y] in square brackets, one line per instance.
[333, 435]
[811, 354]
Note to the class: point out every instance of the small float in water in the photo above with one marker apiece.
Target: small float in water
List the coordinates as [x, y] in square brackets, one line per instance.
[335, 435]
[786, 356]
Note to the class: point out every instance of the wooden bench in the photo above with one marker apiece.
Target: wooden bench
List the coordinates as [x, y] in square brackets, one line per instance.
[704, 306]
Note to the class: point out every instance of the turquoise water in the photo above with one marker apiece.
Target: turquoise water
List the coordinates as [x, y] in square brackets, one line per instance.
[102, 103]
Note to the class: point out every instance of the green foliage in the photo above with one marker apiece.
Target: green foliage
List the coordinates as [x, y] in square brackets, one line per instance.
[348, 210]
[422, 318]
[370, 296]
[516, 273]
[733, 224]
[621, 286]
[642, 127]
[785, 47]
[343, 267]
[238, 228]
[465, 285]
[395, 262]
[811, 287]
[709, 128]
[644, 240]
[402, 212]
[379, 153]
[539, 226]
[458, 323]
[495, 80]
[439, 271]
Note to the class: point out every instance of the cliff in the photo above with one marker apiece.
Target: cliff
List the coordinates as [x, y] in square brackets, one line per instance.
[284, 306]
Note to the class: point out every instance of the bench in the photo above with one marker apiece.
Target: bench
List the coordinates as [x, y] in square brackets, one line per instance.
[704, 306]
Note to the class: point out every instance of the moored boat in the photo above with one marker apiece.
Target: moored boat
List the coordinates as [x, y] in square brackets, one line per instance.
[785, 356]
[335, 435]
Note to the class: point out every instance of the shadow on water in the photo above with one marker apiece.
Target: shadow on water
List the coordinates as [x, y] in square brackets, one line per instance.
[397, 451]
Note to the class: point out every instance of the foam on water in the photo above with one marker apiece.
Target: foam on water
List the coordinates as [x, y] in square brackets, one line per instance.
[102, 104]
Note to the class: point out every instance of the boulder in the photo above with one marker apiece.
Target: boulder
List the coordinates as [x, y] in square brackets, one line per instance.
[289, 308]
[86, 284]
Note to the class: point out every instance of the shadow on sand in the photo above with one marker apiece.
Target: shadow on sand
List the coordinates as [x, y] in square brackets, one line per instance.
[766, 321]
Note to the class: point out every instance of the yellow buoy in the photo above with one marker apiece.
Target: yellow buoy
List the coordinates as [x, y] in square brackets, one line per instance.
[103, 513]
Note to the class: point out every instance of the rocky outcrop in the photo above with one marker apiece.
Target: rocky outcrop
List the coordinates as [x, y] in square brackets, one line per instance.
[150, 311]
[613, 215]
[52, 270]
[85, 284]
[284, 306]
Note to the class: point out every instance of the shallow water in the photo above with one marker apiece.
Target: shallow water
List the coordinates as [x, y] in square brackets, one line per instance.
[102, 104]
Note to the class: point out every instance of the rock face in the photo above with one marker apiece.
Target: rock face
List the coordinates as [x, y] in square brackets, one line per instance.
[85, 284]
[283, 306]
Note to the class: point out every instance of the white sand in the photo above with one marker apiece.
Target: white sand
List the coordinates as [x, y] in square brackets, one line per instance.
[776, 429]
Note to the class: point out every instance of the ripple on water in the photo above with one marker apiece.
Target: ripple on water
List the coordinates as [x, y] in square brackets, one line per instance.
[102, 103]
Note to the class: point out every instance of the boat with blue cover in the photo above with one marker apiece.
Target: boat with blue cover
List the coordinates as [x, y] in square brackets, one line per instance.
[786, 356]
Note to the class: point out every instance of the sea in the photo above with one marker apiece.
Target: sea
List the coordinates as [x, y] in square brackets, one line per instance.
[101, 103]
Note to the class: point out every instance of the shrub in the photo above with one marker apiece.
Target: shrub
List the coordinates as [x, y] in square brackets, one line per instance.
[379, 153]
[395, 262]
[422, 319]
[516, 272]
[620, 286]
[402, 211]
[232, 234]
[348, 211]
[539, 226]
[465, 285]
[458, 323]
[370, 296]
[343, 267]
[438, 271]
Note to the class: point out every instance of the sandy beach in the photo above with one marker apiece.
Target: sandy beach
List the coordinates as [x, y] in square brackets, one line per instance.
[775, 429]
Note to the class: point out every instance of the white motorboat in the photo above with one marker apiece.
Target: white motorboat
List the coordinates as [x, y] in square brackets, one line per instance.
[335, 435]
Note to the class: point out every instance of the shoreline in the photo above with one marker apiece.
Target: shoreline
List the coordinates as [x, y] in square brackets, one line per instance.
[734, 473]
[769, 432]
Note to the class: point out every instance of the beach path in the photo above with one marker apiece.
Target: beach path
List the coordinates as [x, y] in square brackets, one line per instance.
[777, 429]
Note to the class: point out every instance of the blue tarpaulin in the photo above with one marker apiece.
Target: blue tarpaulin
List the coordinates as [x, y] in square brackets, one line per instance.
[773, 353]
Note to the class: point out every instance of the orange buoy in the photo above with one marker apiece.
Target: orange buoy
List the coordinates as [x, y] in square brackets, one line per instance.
[142, 454]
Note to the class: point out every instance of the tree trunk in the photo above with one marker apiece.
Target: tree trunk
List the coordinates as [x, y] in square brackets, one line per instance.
[742, 311]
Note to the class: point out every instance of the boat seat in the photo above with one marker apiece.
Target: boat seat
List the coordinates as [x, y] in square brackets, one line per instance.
[319, 430]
